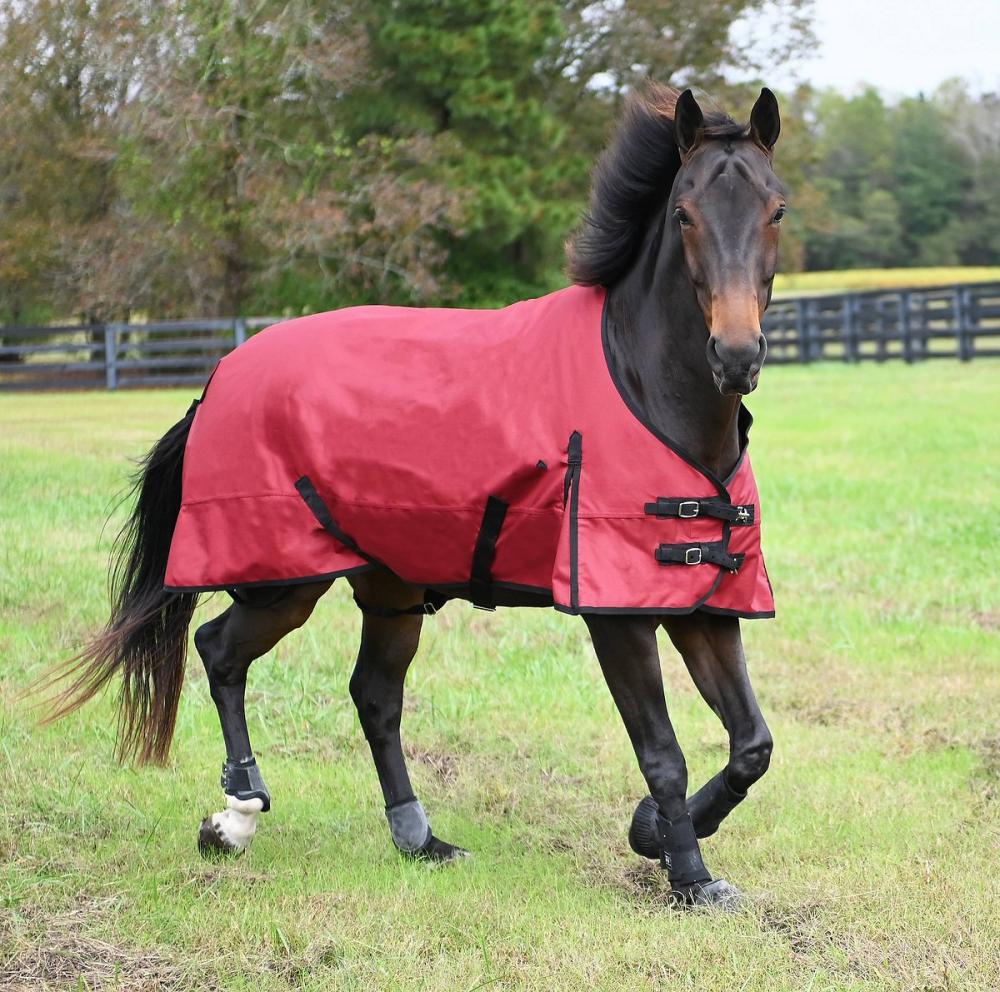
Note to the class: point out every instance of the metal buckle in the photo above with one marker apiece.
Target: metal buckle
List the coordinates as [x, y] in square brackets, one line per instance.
[692, 556]
[742, 514]
[688, 508]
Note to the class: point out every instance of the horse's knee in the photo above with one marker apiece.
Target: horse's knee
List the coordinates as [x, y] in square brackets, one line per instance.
[750, 761]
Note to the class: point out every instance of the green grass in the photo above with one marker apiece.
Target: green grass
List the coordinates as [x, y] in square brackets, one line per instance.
[800, 283]
[870, 851]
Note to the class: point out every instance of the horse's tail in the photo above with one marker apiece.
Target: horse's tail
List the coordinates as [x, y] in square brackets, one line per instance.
[145, 640]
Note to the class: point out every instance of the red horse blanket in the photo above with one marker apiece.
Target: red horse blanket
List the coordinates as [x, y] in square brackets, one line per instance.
[475, 449]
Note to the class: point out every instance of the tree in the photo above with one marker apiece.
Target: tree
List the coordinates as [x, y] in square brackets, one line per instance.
[931, 178]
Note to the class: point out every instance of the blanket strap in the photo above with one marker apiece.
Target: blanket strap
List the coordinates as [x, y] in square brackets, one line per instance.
[480, 581]
[433, 601]
[708, 553]
[322, 513]
[712, 506]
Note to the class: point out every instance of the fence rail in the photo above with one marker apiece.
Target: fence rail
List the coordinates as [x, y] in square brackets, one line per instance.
[882, 325]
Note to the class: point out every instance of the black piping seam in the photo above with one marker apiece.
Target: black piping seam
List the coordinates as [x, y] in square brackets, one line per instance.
[744, 417]
[575, 458]
[512, 586]
[540, 591]
[357, 570]
[744, 614]
[583, 611]
[640, 415]
[263, 583]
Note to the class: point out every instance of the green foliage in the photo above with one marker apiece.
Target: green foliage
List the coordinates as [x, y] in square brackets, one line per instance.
[890, 185]
[283, 156]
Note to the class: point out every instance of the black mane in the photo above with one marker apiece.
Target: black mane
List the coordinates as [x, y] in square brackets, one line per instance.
[633, 177]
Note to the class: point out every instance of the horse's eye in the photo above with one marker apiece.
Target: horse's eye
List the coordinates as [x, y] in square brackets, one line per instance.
[778, 214]
[682, 217]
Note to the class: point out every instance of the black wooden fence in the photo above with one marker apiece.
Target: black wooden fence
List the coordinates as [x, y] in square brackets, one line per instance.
[909, 324]
[118, 356]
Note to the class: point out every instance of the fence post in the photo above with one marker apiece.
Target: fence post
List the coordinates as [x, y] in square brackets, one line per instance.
[111, 356]
[239, 331]
[850, 338]
[959, 310]
[904, 326]
[802, 330]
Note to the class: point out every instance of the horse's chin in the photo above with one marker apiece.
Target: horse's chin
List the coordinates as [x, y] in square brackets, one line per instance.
[738, 385]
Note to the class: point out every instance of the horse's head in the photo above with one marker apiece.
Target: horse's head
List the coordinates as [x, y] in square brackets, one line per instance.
[728, 204]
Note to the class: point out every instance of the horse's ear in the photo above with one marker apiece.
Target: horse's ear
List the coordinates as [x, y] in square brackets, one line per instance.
[765, 121]
[688, 121]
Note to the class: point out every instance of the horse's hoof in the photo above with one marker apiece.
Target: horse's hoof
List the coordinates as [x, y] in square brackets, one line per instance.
[643, 836]
[717, 894]
[213, 844]
[437, 851]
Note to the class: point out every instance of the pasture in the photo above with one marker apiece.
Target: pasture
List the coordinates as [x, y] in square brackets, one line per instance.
[859, 280]
[869, 852]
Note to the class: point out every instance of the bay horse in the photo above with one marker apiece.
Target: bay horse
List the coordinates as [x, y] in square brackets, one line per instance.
[681, 241]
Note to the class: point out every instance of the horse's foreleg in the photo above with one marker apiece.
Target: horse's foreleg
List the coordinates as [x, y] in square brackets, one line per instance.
[712, 649]
[627, 652]
[389, 640]
[227, 645]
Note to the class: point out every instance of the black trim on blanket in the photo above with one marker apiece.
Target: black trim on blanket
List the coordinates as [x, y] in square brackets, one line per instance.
[743, 614]
[665, 611]
[744, 419]
[480, 578]
[574, 459]
[264, 583]
[451, 587]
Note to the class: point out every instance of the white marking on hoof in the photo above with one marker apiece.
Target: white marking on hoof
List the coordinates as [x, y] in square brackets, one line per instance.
[237, 824]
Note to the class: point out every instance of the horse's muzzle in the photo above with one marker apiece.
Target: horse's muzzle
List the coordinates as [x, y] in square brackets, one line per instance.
[736, 369]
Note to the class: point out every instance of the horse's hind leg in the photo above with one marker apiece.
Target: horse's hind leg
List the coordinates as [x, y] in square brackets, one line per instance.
[389, 639]
[254, 623]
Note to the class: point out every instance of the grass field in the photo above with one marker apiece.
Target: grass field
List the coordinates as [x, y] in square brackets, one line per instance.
[870, 852]
[798, 283]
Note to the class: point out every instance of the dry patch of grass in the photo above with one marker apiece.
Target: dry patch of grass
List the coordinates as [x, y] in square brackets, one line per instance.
[61, 952]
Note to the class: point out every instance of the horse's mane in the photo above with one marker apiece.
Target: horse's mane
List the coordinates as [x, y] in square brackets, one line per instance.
[632, 178]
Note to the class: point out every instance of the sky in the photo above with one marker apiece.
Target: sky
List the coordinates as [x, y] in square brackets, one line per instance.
[903, 47]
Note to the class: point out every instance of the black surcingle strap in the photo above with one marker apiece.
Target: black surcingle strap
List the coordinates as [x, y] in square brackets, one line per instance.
[739, 515]
[433, 601]
[480, 580]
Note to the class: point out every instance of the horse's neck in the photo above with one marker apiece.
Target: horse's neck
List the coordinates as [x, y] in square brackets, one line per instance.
[657, 337]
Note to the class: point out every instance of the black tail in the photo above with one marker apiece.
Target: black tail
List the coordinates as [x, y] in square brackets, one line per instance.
[146, 638]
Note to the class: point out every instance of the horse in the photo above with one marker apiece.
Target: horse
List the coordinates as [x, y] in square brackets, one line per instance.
[681, 242]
